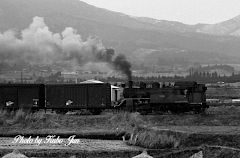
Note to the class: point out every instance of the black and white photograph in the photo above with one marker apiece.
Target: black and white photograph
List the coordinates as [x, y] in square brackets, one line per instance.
[119, 79]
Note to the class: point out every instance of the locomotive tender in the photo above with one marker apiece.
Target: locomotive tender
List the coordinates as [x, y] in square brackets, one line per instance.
[182, 97]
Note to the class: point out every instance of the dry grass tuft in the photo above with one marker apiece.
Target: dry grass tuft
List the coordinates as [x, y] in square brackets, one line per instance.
[226, 110]
[24, 119]
[156, 139]
[141, 134]
[3, 114]
[125, 121]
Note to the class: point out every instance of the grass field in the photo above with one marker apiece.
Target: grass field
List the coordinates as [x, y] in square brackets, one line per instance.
[218, 126]
[214, 116]
[113, 122]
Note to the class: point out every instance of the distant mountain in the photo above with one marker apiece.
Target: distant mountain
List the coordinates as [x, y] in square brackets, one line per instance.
[226, 28]
[62, 13]
[171, 25]
[156, 39]
[229, 27]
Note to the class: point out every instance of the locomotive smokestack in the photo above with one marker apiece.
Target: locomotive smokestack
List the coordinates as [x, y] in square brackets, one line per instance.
[130, 84]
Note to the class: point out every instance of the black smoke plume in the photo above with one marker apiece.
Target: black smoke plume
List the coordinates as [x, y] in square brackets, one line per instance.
[121, 63]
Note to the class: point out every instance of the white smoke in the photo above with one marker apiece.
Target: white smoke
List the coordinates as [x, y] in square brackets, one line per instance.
[38, 45]
[98, 67]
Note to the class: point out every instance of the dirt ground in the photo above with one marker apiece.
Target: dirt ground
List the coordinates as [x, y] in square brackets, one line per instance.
[83, 146]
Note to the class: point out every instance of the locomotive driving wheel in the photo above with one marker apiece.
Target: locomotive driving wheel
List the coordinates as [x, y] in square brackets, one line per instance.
[143, 112]
[199, 110]
[176, 109]
[95, 111]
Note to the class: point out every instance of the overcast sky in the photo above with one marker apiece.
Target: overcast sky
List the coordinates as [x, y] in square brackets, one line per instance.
[186, 11]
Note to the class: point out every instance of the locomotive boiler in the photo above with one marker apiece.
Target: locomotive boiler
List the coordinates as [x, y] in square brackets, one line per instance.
[181, 97]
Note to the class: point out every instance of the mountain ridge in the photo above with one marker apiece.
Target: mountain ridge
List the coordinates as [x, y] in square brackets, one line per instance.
[228, 27]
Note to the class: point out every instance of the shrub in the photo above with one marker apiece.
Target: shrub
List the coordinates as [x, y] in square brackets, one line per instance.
[140, 133]
[155, 139]
[125, 121]
[19, 116]
[3, 115]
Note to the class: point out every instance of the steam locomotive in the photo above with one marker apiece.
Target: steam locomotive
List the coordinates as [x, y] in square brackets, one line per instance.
[180, 97]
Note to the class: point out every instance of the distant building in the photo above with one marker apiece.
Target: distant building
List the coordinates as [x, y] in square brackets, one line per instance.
[70, 76]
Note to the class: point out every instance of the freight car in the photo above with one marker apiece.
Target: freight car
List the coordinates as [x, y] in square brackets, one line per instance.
[177, 98]
[58, 97]
[64, 97]
[24, 96]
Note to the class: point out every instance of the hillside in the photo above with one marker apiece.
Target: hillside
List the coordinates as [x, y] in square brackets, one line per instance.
[128, 35]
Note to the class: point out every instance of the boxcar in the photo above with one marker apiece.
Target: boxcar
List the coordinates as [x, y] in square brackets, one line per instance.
[64, 97]
[25, 96]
